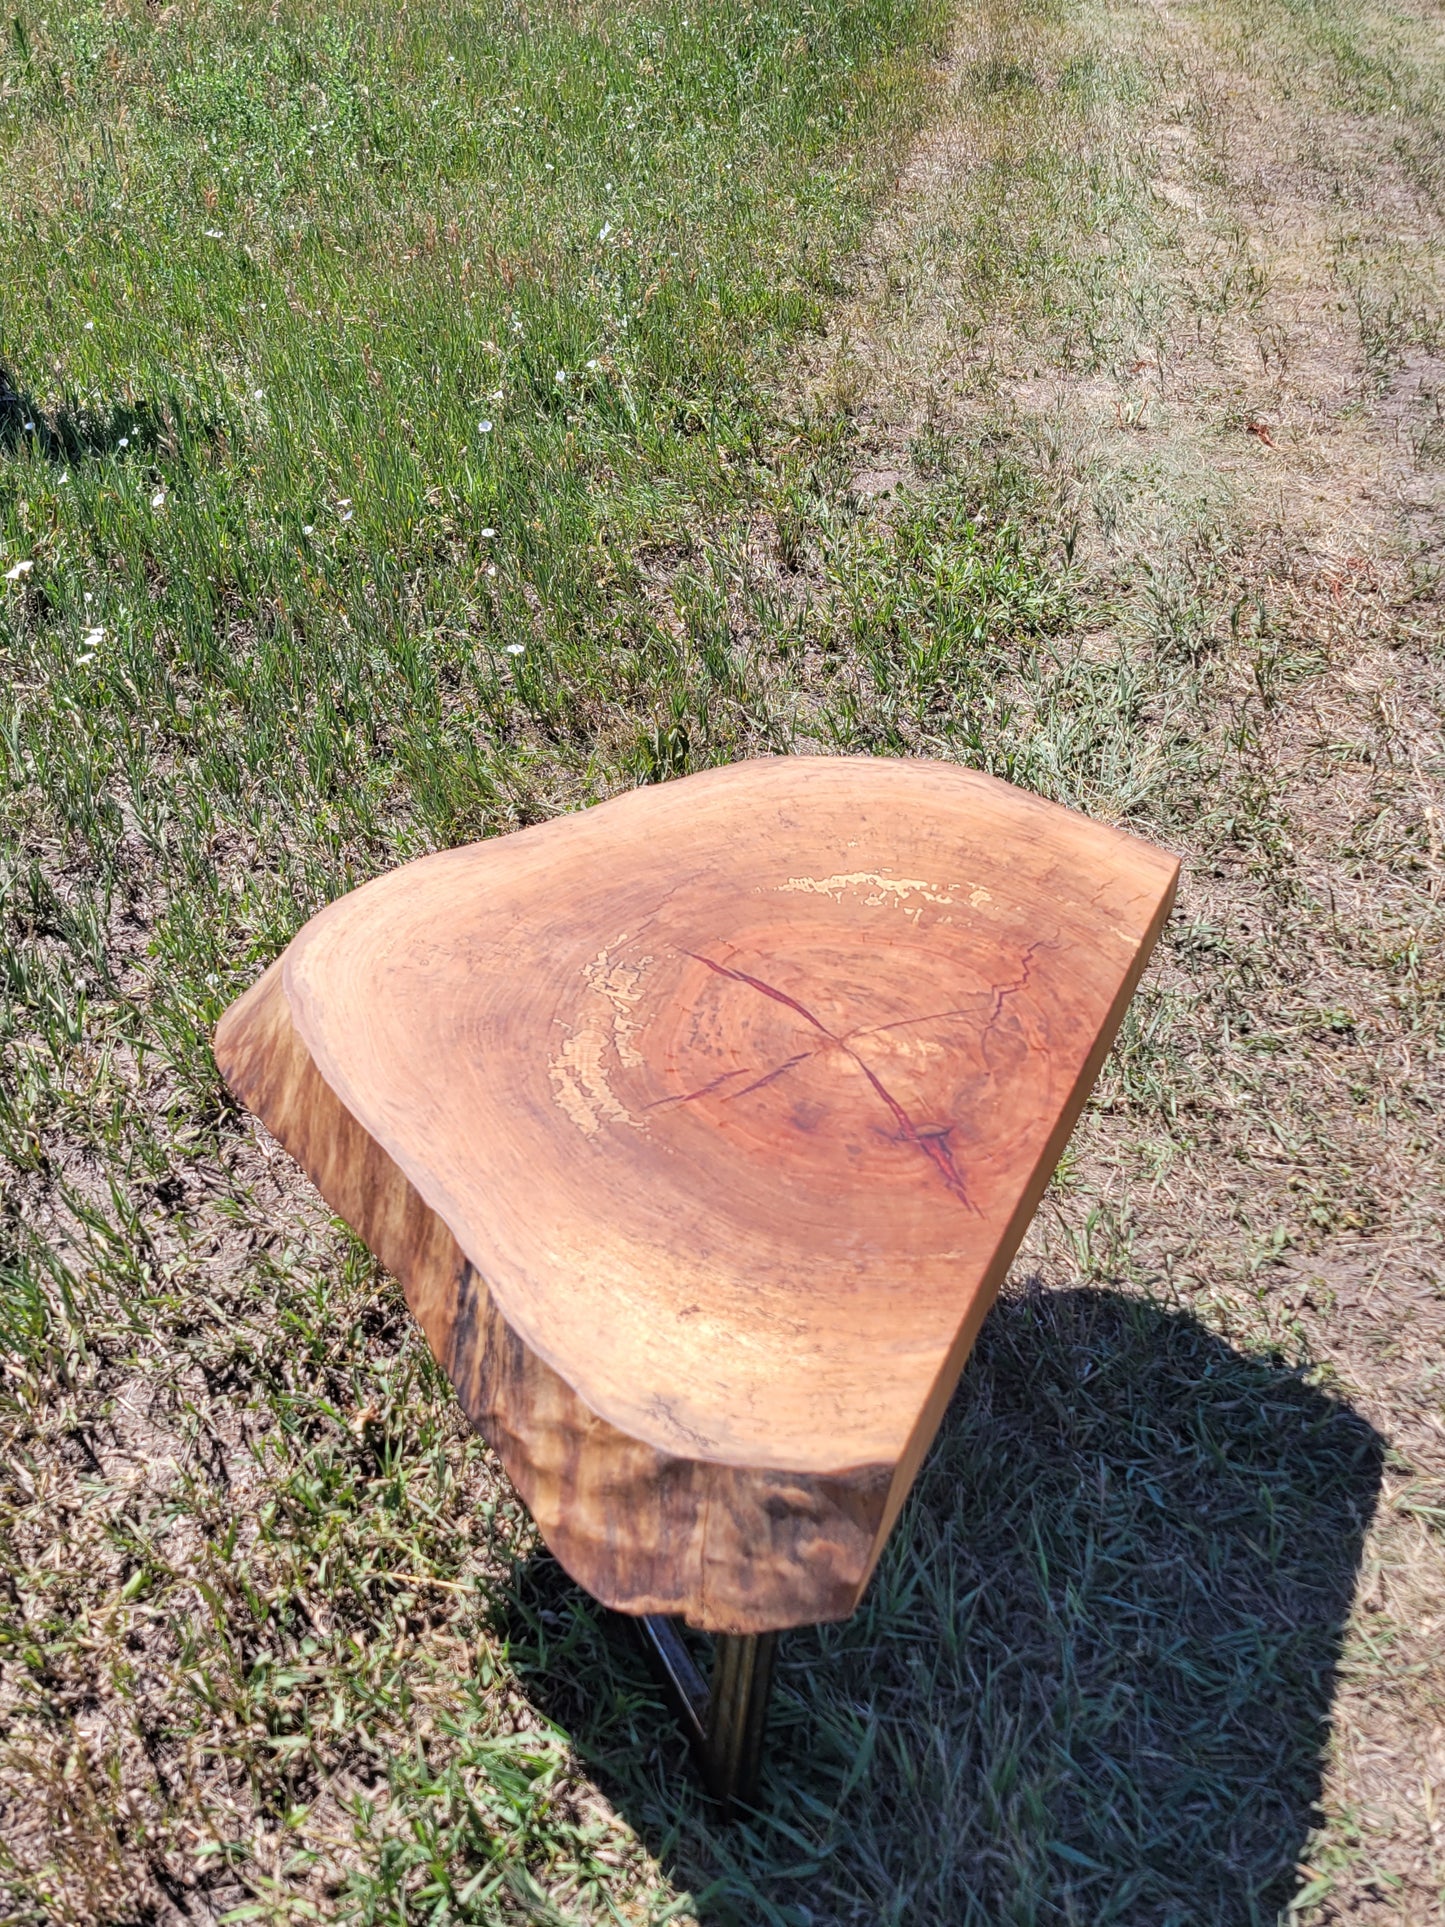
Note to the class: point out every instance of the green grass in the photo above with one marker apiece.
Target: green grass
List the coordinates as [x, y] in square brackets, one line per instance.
[297, 310]
[276, 1640]
[360, 371]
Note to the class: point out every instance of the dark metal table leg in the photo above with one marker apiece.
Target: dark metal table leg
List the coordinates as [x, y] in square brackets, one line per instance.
[726, 1719]
[737, 1716]
[673, 1663]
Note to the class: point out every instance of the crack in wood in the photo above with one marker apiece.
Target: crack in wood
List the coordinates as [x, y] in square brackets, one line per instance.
[931, 1140]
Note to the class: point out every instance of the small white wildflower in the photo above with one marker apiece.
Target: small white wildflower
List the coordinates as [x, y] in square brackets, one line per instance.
[214, 234]
[592, 365]
[343, 501]
[258, 394]
[308, 528]
[484, 428]
[61, 480]
[124, 442]
[561, 375]
[93, 638]
[90, 327]
[487, 534]
[89, 656]
[491, 568]
[516, 648]
[21, 568]
[29, 428]
[88, 596]
[496, 395]
[158, 500]
[604, 230]
[348, 515]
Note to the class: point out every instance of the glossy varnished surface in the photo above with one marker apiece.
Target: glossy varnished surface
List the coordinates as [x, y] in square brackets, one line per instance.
[701, 1127]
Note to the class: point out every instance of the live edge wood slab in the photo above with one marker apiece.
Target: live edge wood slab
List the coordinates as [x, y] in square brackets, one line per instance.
[700, 1128]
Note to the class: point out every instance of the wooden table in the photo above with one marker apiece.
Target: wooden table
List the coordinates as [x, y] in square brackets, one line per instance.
[700, 1128]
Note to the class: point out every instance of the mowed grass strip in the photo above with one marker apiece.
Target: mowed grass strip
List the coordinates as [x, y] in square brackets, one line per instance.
[360, 369]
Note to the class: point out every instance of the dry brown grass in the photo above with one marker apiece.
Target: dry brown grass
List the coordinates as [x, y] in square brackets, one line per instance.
[1204, 314]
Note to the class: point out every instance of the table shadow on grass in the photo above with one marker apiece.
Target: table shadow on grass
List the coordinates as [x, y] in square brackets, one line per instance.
[1092, 1677]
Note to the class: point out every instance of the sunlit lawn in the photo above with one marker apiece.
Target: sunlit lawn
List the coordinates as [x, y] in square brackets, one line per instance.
[362, 371]
[409, 430]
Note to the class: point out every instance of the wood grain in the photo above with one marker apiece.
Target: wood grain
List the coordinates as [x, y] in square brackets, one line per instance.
[700, 1128]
